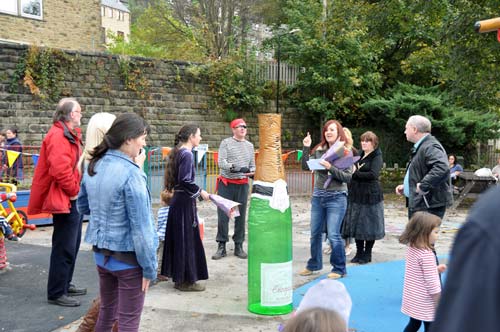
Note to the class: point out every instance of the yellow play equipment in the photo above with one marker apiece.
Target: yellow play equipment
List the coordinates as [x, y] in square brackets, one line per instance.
[492, 24]
[18, 220]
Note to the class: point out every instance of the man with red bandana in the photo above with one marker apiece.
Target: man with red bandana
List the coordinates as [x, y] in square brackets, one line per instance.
[236, 164]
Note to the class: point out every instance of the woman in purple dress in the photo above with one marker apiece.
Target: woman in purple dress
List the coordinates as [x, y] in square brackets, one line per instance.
[183, 255]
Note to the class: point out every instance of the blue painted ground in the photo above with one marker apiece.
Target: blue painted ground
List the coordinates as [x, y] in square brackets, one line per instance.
[376, 291]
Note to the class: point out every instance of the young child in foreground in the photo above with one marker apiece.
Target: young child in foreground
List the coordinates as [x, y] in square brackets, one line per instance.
[422, 284]
[7, 230]
[165, 198]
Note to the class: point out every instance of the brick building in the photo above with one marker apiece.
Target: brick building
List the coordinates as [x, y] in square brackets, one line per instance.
[115, 19]
[68, 24]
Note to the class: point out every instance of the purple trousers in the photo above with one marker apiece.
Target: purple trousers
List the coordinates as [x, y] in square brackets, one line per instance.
[122, 299]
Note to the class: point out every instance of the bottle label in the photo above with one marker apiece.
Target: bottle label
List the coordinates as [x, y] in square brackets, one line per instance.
[276, 284]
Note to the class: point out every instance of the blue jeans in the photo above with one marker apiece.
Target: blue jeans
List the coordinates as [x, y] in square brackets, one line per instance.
[328, 210]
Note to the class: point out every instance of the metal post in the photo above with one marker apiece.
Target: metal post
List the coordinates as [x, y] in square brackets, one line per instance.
[278, 84]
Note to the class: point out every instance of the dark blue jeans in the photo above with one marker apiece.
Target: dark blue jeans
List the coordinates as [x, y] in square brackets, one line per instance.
[66, 237]
[328, 211]
[122, 299]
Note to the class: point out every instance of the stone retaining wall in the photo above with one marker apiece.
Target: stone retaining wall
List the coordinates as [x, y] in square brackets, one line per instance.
[173, 98]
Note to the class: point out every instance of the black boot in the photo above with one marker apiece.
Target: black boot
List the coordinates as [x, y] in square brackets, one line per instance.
[221, 251]
[359, 251]
[367, 255]
[239, 252]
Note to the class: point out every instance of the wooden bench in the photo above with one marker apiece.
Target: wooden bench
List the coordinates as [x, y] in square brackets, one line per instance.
[480, 183]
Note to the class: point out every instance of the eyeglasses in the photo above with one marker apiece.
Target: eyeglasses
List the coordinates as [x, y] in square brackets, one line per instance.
[242, 126]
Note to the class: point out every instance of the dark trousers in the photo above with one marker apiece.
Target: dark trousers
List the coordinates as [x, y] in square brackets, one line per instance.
[122, 299]
[414, 325]
[438, 211]
[237, 193]
[66, 237]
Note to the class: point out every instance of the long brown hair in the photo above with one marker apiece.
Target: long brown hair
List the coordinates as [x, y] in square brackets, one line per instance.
[340, 135]
[171, 163]
[418, 229]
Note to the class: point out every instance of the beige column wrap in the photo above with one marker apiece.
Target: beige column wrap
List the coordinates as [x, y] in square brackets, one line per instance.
[269, 164]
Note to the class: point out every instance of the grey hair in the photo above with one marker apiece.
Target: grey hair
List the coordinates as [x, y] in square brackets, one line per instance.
[420, 122]
[64, 108]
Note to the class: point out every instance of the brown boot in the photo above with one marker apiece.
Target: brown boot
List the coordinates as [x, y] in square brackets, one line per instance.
[90, 319]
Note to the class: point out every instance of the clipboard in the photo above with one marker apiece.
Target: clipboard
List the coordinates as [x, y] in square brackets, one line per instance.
[314, 165]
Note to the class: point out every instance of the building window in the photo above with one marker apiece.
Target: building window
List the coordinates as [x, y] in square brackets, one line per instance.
[110, 12]
[103, 11]
[25, 8]
[9, 7]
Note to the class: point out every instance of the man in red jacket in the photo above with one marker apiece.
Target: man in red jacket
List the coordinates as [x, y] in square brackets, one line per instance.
[54, 190]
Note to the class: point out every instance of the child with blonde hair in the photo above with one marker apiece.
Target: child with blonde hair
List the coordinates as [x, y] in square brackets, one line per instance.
[422, 285]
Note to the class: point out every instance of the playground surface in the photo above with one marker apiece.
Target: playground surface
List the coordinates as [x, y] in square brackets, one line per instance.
[374, 288]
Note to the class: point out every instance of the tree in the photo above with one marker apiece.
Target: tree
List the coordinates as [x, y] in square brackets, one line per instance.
[408, 34]
[157, 33]
[222, 25]
[337, 56]
[458, 128]
[472, 65]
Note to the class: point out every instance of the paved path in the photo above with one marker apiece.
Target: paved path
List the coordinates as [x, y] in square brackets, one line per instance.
[222, 307]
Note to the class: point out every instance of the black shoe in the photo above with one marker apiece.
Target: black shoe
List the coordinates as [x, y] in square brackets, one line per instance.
[221, 251]
[186, 287]
[365, 259]
[65, 301]
[73, 291]
[239, 252]
[357, 257]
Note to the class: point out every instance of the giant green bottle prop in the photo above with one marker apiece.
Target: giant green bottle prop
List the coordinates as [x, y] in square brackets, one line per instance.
[270, 288]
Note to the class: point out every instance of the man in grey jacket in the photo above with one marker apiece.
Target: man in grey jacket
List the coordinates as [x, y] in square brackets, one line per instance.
[427, 185]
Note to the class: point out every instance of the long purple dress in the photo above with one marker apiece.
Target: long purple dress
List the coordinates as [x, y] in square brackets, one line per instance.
[183, 255]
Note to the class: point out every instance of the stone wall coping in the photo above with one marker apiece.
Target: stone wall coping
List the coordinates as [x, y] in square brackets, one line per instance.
[97, 54]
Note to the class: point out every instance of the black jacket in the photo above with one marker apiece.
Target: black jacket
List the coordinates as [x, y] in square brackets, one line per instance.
[365, 187]
[429, 167]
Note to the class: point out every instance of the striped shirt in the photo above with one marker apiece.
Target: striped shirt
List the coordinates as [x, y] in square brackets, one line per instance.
[235, 153]
[162, 222]
[421, 281]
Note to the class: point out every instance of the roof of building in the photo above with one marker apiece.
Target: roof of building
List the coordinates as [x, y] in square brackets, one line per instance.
[116, 4]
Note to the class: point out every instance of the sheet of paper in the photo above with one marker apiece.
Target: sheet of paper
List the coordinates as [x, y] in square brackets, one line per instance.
[314, 165]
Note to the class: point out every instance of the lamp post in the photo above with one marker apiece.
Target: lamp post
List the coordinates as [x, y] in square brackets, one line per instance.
[278, 55]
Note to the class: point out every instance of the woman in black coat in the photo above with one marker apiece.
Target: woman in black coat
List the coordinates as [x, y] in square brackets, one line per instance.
[364, 220]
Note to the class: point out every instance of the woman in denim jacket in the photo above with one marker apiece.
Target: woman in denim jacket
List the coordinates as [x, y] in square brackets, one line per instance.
[121, 227]
[328, 205]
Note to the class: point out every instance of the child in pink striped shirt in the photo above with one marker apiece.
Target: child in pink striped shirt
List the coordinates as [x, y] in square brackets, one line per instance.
[422, 285]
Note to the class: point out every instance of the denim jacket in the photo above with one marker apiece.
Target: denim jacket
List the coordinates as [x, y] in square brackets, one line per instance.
[119, 205]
